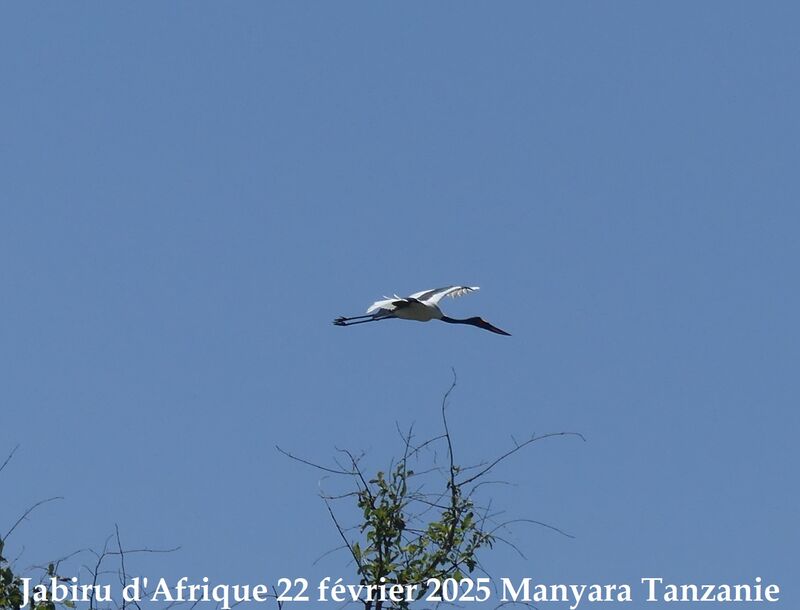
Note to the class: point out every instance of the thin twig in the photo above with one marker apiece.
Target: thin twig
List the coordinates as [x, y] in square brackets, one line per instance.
[28, 512]
[8, 459]
[346, 541]
[534, 522]
[519, 446]
[326, 553]
[312, 464]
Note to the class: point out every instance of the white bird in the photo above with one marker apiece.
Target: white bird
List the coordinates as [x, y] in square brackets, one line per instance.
[420, 306]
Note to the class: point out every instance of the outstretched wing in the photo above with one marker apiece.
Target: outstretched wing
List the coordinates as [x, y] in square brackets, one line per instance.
[387, 304]
[434, 296]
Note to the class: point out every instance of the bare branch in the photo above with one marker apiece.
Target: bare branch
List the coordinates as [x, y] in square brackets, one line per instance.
[123, 577]
[356, 558]
[517, 447]
[8, 459]
[534, 522]
[28, 512]
[312, 464]
[512, 603]
[144, 550]
[326, 553]
[444, 421]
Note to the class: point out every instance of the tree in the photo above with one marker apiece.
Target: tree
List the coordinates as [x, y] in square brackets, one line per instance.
[408, 535]
[422, 526]
[11, 583]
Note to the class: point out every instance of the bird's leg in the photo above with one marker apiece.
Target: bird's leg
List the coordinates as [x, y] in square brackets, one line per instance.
[346, 323]
[342, 321]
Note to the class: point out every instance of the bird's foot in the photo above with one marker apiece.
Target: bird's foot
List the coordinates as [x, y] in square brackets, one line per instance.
[339, 321]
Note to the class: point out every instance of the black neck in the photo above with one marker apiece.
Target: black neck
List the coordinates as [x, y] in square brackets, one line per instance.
[479, 322]
[472, 321]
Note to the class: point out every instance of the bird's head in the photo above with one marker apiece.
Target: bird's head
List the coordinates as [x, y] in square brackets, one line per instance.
[481, 323]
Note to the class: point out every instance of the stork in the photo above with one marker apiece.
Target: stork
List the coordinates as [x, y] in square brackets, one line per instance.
[420, 306]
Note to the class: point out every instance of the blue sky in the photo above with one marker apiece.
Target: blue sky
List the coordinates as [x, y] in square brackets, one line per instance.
[192, 192]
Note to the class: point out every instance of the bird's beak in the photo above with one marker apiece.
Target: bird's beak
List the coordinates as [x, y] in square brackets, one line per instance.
[494, 329]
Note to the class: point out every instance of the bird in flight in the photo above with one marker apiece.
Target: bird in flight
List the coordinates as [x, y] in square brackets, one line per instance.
[420, 306]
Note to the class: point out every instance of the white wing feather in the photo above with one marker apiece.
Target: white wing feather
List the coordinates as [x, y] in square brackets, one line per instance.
[386, 304]
[434, 296]
[426, 296]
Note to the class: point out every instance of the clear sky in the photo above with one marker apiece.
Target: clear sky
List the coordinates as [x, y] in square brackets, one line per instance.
[191, 192]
